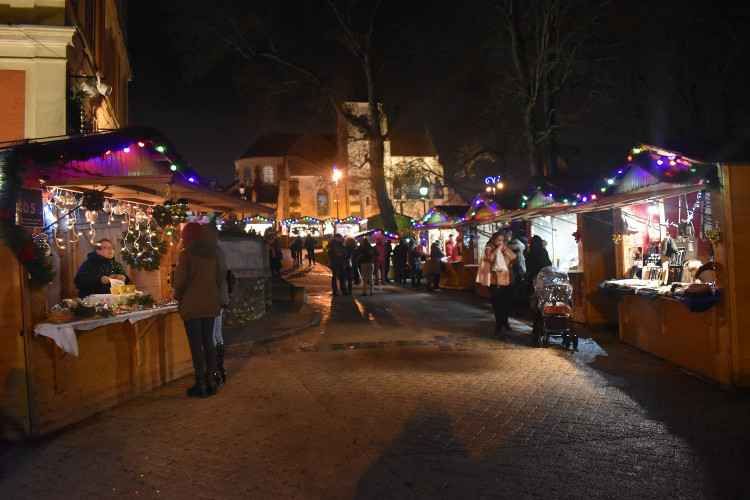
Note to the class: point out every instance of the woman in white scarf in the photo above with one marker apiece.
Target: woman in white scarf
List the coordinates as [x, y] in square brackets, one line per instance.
[494, 272]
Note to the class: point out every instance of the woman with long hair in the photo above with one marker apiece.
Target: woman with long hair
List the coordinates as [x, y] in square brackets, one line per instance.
[197, 281]
[495, 273]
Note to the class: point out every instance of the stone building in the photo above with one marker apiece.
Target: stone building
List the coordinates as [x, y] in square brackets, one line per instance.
[294, 173]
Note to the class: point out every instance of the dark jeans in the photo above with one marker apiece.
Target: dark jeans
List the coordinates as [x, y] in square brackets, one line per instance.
[501, 298]
[310, 257]
[338, 274]
[200, 334]
[433, 281]
[399, 269]
[416, 275]
[387, 267]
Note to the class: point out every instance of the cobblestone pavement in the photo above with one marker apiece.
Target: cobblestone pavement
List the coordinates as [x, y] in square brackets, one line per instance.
[406, 394]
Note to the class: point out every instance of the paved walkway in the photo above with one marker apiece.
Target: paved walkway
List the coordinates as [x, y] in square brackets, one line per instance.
[407, 394]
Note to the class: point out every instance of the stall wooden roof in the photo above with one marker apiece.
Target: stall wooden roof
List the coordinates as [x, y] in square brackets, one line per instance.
[152, 190]
[133, 164]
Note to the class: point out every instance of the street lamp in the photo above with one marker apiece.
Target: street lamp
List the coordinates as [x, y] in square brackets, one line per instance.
[424, 188]
[336, 177]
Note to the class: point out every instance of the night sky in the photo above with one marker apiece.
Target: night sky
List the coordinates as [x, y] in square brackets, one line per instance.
[652, 71]
[202, 119]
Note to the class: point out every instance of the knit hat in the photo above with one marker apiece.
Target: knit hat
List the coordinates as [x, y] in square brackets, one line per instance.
[191, 232]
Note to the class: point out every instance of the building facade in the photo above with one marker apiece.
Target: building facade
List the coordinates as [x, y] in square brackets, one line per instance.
[295, 173]
[64, 67]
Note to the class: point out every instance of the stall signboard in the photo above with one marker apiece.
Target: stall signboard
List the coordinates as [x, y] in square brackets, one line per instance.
[29, 211]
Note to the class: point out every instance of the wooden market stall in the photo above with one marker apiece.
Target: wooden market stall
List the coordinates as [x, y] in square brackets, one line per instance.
[57, 374]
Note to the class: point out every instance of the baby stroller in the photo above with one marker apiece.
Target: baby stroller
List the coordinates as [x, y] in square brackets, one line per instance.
[552, 303]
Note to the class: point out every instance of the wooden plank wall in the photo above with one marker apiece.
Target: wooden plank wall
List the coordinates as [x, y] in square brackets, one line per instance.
[111, 368]
[14, 398]
[598, 264]
[736, 241]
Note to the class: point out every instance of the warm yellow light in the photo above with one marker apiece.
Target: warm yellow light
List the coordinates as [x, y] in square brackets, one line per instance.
[336, 174]
[499, 185]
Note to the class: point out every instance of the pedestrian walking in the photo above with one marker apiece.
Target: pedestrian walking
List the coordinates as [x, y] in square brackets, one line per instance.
[310, 243]
[400, 256]
[210, 235]
[336, 255]
[350, 268]
[436, 266]
[197, 281]
[518, 268]
[415, 262]
[365, 254]
[495, 273]
[274, 258]
[388, 252]
[296, 248]
[379, 262]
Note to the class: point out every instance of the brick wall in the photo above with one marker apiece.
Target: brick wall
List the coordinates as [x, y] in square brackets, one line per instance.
[12, 104]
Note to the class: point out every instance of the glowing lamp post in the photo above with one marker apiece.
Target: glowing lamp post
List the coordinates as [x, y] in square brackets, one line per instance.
[336, 177]
[424, 188]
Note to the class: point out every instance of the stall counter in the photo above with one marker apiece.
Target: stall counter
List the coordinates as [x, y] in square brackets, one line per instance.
[117, 361]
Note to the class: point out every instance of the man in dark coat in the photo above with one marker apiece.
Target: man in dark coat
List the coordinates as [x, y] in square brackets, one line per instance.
[310, 247]
[336, 255]
[400, 253]
[100, 265]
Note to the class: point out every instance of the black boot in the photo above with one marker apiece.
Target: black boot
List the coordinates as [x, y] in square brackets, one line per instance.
[220, 362]
[211, 386]
[198, 390]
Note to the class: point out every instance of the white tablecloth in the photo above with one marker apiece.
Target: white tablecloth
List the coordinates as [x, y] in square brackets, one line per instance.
[65, 337]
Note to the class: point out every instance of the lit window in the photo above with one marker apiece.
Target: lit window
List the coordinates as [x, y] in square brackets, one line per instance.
[367, 201]
[247, 175]
[322, 202]
[268, 175]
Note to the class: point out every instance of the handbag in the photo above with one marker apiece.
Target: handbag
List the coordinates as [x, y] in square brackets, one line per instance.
[484, 271]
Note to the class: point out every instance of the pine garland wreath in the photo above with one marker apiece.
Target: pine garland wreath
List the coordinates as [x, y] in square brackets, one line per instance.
[93, 201]
[142, 250]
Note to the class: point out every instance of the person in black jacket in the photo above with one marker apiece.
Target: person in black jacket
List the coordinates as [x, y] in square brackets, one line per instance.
[336, 256]
[93, 277]
[536, 258]
[400, 254]
[310, 243]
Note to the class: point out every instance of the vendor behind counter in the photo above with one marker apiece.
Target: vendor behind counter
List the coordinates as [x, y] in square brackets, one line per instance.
[100, 266]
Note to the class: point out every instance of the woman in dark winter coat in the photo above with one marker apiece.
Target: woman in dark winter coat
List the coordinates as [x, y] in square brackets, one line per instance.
[536, 259]
[197, 281]
[100, 265]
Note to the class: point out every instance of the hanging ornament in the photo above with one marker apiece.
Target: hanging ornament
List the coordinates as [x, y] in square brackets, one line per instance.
[577, 235]
[617, 238]
[107, 206]
[714, 236]
[120, 208]
[149, 211]
[93, 200]
[91, 215]
[140, 216]
[162, 216]
[70, 200]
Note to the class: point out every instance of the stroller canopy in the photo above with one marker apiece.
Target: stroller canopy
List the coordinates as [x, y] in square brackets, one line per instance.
[552, 285]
